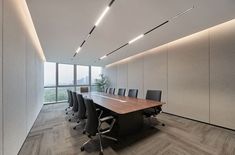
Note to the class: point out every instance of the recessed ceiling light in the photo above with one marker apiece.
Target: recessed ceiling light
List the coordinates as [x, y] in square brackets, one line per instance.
[102, 16]
[135, 39]
[103, 57]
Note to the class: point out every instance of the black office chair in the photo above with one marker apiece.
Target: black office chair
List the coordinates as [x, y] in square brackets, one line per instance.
[94, 124]
[111, 91]
[70, 96]
[69, 100]
[121, 91]
[156, 96]
[106, 90]
[133, 93]
[75, 105]
[81, 110]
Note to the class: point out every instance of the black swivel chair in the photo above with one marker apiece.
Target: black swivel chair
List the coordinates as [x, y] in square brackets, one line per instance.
[94, 123]
[121, 91]
[111, 91]
[75, 105]
[133, 93]
[156, 96]
[81, 109]
[69, 100]
[70, 96]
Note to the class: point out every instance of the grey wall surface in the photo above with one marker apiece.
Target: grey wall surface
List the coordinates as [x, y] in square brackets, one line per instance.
[195, 73]
[22, 74]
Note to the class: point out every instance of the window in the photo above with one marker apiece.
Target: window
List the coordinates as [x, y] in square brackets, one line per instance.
[95, 73]
[49, 74]
[49, 95]
[58, 78]
[66, 75]
[82, 75]
[62, 93]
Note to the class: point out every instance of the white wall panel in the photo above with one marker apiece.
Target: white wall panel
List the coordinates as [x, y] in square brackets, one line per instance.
[223, 75]
[122, 75]
[188, 77]
[155, 72]
[14, 80]
[111, 73]
[22, 78]
[136, 75]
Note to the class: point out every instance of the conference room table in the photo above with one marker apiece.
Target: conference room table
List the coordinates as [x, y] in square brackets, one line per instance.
[126, 110]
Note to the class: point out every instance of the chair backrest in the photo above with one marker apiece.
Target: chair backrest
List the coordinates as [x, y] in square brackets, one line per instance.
[121, 91]
[75, 102]
[133, 93]
[111, 90]
[154, 95]
[84, 89]
[82, 107]
[71, 98]
[92, 118]
[106, 90]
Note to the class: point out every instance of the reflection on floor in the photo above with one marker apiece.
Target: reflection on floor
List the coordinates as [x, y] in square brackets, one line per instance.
[52, 134]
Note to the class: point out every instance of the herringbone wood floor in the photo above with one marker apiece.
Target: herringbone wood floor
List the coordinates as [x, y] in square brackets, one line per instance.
[52, 134]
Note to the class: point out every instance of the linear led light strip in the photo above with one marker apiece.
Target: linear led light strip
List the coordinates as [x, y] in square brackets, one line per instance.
[93, 28]
[142, 35]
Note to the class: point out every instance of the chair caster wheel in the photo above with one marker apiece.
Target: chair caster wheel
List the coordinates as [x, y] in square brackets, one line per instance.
[66, 113]
[74, 128]
[78, 121]
[69, 120]
[83, 132]
[82, 148]
[101, 153]
[163, 124]
[73, 114]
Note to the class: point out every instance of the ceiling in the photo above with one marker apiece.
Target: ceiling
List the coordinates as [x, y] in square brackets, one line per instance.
[62, 25]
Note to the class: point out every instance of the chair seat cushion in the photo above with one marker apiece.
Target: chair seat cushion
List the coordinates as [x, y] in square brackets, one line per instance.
[151, 111]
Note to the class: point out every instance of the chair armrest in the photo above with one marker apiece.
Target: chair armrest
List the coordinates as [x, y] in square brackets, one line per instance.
[106, 118]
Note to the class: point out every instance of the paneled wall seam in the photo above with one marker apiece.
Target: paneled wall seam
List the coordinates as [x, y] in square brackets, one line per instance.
[209, 62]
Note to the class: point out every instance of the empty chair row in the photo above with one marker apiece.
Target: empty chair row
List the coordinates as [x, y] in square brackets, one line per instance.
[122, 92]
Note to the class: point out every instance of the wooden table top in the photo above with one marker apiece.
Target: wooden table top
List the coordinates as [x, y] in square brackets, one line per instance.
[121, 104]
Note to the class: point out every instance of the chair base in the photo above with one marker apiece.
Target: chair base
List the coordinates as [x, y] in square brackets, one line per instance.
[100, 139]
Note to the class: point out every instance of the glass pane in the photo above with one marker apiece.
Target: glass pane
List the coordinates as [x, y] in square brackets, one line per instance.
[65, 74]
[49, 95]
[62, 93]
[49, 74]
[95, 73]
[94, 88]
[82, 75]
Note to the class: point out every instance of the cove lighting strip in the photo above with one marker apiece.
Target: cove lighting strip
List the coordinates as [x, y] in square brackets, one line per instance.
[93, 28]
[142, 35]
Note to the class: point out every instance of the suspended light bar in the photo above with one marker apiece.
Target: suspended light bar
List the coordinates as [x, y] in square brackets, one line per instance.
[103, 57]
[135, 39]
[93, 28]
[182, 13]
[142, 35]
[102, 16]
[79, 48]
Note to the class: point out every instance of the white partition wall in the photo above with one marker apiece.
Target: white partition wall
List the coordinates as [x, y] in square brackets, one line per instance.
[195, 73]
[188, 77]
[222, 75]
[136, 75]
[21, 76]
